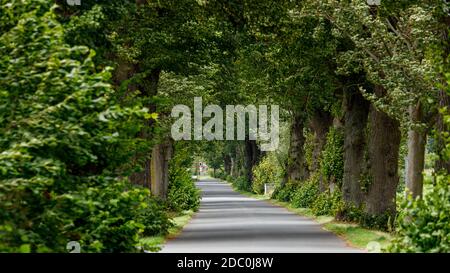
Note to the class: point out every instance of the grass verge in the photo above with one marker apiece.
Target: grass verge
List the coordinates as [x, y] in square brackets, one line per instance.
[179, 220]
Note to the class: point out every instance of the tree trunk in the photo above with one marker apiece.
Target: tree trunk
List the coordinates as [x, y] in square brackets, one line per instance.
[297, 169]
[320, 124]
[383, 143]
[227, 164]
[356, 114]
[443, 164]
[148, 88]
[161, 155]
[252, 157]
[416, 154]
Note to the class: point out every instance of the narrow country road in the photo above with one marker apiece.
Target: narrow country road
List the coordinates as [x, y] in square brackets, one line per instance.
[231, 222]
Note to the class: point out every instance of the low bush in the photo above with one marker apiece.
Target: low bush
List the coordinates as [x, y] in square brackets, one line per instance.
[154, 218]
[327, 203]
[241, 184]
[265, 172]
[423, 225]
[182, 193]
[306, 194]
[285, 192]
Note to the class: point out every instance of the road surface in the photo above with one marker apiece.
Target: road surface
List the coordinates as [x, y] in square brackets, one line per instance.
[230, 222]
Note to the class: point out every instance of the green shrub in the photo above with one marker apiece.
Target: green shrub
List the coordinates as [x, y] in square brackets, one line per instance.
[423, 225]
[182, 194]
[306, 194]
[241, 183]
[154, 218]
[348, 213]
[64, 142]
[265, 172]
[229, 179]
[327, 203]
[332, 163]
[285, 193]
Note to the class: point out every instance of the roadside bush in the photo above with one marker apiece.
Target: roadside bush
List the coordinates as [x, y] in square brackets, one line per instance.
[285, 193]
[154, 218]
[332, 163]
[306, 194]
[64, 142]
[423, 224]
[265, 172]
[182, 193]
[327, 203]
[241, 184]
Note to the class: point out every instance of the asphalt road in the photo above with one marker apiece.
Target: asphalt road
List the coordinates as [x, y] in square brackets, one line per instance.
[230, 222]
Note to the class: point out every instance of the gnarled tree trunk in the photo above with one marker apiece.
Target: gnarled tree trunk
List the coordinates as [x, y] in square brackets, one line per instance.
[383, 144]
[297, 169]
[356, 114]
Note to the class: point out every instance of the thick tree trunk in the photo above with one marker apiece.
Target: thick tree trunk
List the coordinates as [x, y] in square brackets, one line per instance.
[297, 169]
[148, 88]
[320, 124]
[443, 164]
[383, 143]
[252, 157]
[161, 155]
[227, 164]
[356, 114]
[416, 154]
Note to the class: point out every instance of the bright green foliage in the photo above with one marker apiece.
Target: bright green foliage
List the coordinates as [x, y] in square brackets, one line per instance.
[241, 183]
[423, 225]
[306, 194]
[63, 139]
[154, 218]
[266, 171]
[327, 203]
[182, 195]
[286, 192]
[332, 162]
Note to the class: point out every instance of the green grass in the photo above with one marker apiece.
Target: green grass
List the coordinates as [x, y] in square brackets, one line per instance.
[179, 220]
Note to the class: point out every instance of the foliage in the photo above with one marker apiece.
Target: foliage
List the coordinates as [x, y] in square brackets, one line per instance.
[285, 192]
[265, 172]
[306, 194]
[241, 183]
[182, 194]
[65, 143]
[327, 203]
[423, 224]
[154, 218]
[332, 163]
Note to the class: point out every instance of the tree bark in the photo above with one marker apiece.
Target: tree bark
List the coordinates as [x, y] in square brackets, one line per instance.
[227, 164]
[383, 144]
[416, 154]
[148, 88]
[252, 157]
[297, 169]
[161, 155]
[320, 124]
[443, 164]
[356, 115]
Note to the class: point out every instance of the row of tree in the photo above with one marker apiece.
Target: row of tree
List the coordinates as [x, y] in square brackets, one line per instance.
[376, 73]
